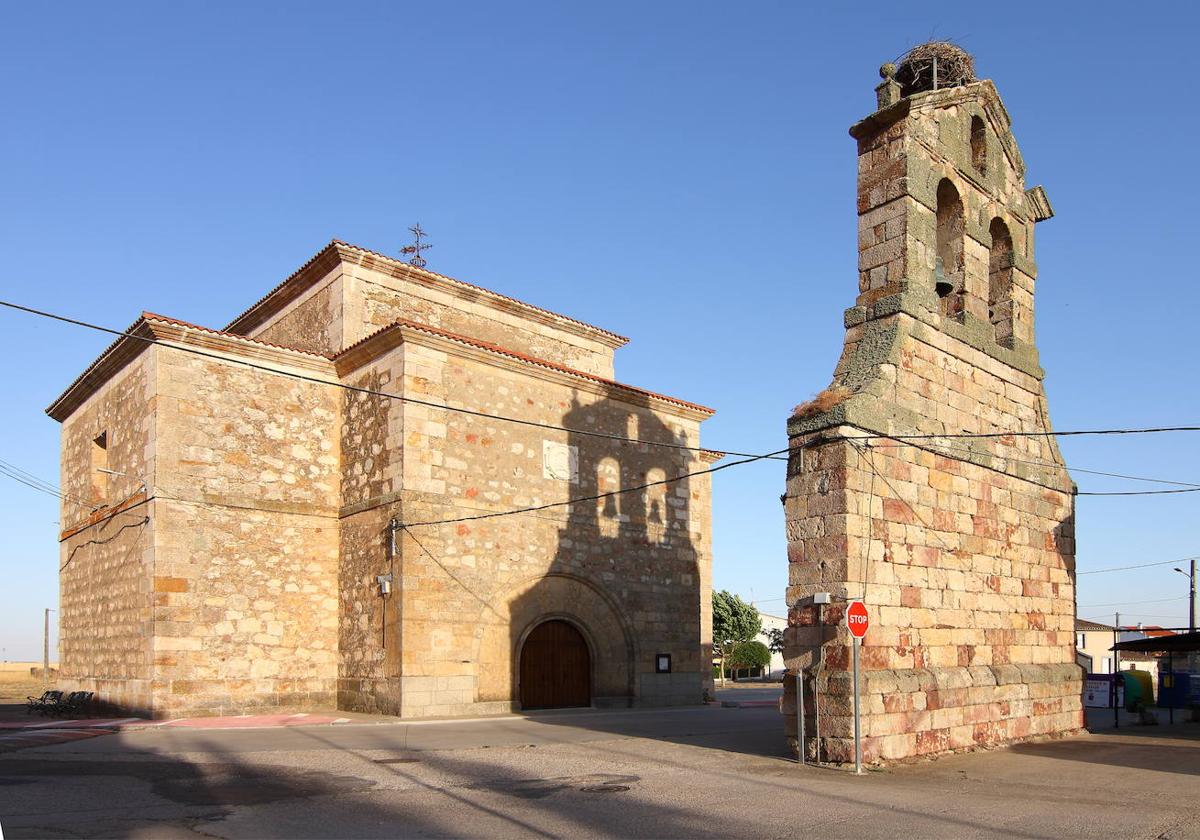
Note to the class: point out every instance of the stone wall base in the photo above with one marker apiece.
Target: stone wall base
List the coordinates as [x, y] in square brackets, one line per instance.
[158, 700]
[914, 713]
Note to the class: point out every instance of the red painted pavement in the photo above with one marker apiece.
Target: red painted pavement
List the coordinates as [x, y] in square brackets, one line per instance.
[233, 722]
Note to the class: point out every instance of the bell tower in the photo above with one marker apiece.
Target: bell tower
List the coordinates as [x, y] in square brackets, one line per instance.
[945, 220]
[923, 480]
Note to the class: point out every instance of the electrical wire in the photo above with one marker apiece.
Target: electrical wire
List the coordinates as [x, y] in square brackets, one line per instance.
[117, 533]
[30, 484]
[1051, 464]
[1139, 566]
[902, 441]
[592, 498]
[371, 392]
[1137, 492]
[30, 480]
[1071, 433]
[907, 504]
[534, 423]
[1124, 603]
[747, 457]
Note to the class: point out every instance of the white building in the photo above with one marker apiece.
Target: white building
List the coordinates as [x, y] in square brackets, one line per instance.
[772, 622]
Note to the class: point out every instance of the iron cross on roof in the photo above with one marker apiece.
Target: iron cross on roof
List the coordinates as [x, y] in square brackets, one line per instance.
[417, 247]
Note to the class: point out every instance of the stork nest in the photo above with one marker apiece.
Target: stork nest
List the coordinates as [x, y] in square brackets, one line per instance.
[934, 65]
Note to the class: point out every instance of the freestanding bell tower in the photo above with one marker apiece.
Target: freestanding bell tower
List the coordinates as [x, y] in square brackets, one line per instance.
[923, 480]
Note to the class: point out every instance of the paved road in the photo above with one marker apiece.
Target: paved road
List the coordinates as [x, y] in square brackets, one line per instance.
[677, 773]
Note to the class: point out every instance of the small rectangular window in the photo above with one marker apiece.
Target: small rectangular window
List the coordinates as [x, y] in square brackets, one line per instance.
[99, 464]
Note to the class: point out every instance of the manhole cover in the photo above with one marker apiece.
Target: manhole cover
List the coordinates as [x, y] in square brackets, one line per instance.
[396, 760]
[605, 788]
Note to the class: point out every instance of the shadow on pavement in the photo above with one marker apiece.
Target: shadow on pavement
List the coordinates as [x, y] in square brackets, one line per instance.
[1168, 749]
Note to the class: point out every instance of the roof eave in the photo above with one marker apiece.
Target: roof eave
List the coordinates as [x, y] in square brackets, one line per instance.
[388, 338]
[337, 252]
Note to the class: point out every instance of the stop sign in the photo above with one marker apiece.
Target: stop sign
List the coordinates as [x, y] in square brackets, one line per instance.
[856, 619]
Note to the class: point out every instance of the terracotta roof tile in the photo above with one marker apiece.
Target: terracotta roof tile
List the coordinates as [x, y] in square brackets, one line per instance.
[514, 354]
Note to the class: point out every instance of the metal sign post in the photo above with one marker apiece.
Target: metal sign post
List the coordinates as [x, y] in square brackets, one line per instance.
[857, 620]
[857, 643]
[800, 714]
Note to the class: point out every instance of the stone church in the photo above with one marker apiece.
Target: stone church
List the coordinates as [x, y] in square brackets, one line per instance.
[315, 507]
[923, 480]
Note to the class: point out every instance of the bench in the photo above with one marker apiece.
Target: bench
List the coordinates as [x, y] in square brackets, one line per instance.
[76, 703]
[42, 704]
[53, 703]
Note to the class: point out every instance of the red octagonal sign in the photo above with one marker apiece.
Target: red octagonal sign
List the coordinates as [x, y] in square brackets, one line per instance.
[856, 619]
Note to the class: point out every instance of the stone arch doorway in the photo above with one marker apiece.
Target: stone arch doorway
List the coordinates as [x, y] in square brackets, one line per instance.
[556, 667]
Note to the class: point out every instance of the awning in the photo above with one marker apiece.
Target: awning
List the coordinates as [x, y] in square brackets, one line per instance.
[1178, 643]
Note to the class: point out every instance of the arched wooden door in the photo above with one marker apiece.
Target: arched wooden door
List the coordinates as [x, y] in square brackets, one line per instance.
[556, 668]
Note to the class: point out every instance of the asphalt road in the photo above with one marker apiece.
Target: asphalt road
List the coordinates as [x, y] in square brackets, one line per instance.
[676, 773]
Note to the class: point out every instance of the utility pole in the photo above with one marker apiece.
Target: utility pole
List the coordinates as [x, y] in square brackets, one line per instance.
[46, 650]
[1116, 671]
[1193, 659]
[1191, 594]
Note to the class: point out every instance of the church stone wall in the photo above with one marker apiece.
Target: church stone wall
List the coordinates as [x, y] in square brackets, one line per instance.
[466, 593]
[105, 615]
[255, 584]
[373, 452]
[245, 601]
[377, 299]
[313, 323]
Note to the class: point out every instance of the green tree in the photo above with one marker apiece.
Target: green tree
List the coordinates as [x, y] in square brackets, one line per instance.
[733, 621]
[750, 654]
[774, 640]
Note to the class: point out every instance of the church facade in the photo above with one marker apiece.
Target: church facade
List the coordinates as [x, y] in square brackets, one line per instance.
[329, 503]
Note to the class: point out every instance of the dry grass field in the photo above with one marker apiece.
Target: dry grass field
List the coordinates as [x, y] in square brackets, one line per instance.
[16, 683]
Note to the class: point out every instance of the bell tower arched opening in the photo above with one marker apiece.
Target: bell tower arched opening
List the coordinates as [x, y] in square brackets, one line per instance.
[948, 268]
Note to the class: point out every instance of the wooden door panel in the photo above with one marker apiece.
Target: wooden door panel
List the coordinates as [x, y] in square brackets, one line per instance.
[555, 669]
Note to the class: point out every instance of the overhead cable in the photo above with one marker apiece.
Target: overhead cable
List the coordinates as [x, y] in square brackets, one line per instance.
[1139, 566]
[370, 391]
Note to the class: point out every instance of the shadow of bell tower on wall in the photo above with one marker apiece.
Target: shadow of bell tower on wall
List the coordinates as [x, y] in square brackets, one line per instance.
[626, 574]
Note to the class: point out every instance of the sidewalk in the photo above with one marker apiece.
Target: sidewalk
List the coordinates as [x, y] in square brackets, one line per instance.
[749, 695]
[229, 722]
[1096, 720]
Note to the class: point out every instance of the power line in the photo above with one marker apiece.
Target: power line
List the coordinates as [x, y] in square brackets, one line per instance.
[1168, 616]
[18, 474]
[37, 487]
[30, 480]
[1139, 566]
[1137, 492]
[901, 441]
[590, 433]
[901, 498]
[593, 498]
[1071, 433]
[1124, 603]
[371, 392]
[1073, 469]
[747, 457]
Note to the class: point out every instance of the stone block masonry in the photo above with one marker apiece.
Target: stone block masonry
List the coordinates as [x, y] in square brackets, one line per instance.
[233, 564]
[907, 486]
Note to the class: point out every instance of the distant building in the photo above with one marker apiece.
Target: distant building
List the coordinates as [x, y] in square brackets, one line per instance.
[772, 622]
[1094, 641]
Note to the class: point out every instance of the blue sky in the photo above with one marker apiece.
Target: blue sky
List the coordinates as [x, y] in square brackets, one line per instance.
[677, 172]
